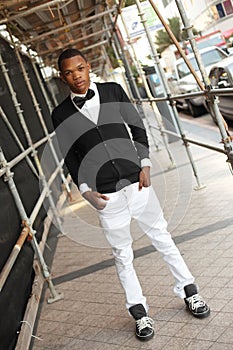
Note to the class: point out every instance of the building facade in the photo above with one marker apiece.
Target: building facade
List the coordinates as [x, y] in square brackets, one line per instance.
[205, 15]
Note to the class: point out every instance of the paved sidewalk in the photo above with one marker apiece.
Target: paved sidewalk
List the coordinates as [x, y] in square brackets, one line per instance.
[92, 315]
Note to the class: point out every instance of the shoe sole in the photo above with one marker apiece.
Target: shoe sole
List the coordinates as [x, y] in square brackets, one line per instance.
[202, 315]
[148, 337]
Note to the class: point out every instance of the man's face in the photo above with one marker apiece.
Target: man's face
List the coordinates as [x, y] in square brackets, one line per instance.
[75, 73]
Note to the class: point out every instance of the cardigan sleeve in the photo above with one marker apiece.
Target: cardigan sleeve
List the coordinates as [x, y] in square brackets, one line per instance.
[69, 152]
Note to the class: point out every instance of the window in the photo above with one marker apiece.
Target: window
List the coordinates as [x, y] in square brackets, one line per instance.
[228, 7]
[212, 57]
[208, 58]
[214, 13]
[220, 9]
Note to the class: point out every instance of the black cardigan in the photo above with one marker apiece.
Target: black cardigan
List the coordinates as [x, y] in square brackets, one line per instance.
[102, 155]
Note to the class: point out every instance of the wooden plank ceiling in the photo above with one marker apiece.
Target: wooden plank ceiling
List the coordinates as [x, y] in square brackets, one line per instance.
[48, 27]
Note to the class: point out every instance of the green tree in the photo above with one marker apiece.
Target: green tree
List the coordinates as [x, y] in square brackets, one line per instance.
[163, 40]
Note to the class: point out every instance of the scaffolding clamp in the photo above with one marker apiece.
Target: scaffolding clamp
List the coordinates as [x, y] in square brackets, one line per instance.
[27, 227]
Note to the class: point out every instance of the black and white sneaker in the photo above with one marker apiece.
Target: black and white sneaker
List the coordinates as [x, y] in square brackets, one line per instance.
[144, 324]
[195, 303]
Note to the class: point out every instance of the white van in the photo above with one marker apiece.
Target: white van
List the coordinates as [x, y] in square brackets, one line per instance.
[183, 81]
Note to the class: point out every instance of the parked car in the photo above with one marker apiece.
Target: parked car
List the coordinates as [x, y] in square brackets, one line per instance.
[221, 76]
[183, 81]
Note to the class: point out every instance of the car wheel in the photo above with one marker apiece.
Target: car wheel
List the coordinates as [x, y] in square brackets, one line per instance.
[196, 111]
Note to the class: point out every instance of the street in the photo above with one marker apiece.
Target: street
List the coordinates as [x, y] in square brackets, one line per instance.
[203, 127]
[204, 120]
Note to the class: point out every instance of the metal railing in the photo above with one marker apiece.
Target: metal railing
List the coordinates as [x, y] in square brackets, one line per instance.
[206, 90]
[27, 223]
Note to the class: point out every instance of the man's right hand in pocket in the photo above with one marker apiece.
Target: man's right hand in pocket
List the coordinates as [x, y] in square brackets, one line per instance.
[96, 199]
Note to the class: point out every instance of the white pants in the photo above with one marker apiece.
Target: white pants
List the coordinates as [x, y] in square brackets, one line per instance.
[115, 219]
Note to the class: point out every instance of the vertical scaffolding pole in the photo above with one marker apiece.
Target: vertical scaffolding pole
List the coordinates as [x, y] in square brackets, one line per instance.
[116, 53]
[43, 90]
[55, 102]
[127, 68]
[40, 116]
[148, 92]
[121, 60]
[165, 86]
[117, 50]
[30, 143]
[25, 233]
[13, 189]
[212, 100]
[17, 140]
[107, 66]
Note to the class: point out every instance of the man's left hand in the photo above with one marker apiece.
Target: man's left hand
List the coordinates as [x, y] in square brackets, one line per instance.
[144, 177]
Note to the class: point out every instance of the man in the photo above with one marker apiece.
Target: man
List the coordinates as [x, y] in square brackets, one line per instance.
[110, 164]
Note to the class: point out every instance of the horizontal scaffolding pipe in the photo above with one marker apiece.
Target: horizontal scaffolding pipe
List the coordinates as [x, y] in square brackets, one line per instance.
[25, 153]
[195, 142]
[43, 53]
[216, 92]
[171, 98]
[65, 27]
[221, 91]
[206, 145]
[31, 10]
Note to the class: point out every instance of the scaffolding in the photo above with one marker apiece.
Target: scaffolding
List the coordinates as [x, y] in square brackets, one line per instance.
[109, 36]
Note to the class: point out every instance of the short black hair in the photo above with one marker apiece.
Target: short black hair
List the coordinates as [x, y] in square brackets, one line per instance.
[68, 54]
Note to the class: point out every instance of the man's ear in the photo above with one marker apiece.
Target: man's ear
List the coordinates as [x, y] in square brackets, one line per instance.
[89, 66]
[61, 77]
